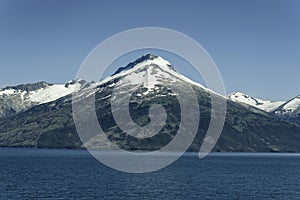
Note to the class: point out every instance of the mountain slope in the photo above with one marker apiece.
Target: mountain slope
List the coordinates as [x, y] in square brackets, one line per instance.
[51, 124]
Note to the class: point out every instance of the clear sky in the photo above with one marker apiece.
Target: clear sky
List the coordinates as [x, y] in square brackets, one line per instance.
[255, 44]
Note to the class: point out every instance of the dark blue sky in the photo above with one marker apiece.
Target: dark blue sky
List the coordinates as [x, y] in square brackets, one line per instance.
[255, 44]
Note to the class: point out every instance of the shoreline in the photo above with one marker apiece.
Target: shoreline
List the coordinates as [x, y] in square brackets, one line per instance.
[112, 152]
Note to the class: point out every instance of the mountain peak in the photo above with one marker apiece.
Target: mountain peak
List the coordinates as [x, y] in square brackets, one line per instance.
[145, 58]
[148, 56]
[290, 107]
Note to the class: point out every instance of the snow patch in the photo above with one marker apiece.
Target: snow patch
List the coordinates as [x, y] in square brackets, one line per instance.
[7, 92]
[51, 93]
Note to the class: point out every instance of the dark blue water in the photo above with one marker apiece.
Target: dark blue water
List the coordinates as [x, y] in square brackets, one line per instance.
[74, 174]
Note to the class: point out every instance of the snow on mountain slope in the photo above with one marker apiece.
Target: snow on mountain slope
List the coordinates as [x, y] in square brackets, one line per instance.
[261, 104]
[149, 70]
[289, 111]
[7, 92]
[51, 93]
[14, 99]
[291, 107]
[42, 95]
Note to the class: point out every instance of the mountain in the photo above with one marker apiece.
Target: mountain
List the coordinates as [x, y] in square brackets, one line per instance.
[49, 124]
[289, 111]
[265, 105]
[14, 99]
[282, 110]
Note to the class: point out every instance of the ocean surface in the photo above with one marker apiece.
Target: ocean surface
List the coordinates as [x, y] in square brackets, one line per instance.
[74, 174]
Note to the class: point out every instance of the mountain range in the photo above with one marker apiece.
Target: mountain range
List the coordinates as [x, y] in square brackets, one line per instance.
[40, 114]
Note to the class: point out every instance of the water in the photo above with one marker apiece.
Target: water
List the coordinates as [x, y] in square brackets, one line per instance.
[74, 174]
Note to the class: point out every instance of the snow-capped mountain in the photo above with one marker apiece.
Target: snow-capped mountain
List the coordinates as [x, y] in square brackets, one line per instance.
[265, 105]
[150, 70]
[289, 111]
[290, 107]
[49, 122]
[283, 110]
[14, 99]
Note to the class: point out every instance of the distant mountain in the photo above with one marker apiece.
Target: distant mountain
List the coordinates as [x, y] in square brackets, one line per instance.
[287, 111]
[261, 104]
[14, 99]
[48, 122]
